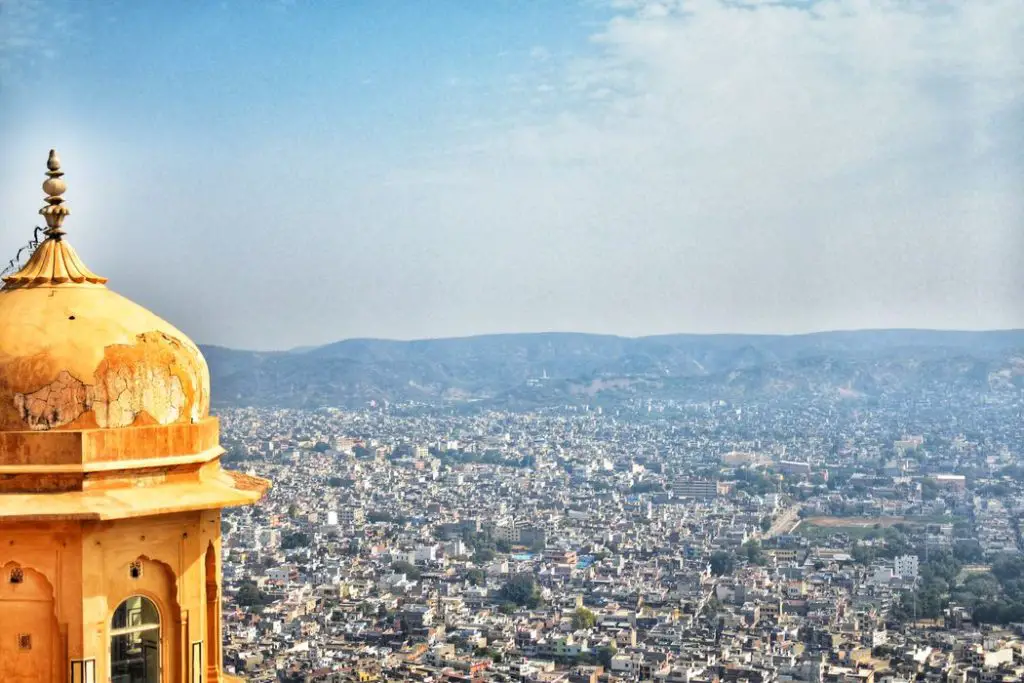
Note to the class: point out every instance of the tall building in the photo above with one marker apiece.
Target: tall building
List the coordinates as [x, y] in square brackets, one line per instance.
[905, 567]
[111, 486]
[690, 487]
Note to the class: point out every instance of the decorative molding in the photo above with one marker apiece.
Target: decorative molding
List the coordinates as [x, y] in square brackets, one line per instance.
[167, 461]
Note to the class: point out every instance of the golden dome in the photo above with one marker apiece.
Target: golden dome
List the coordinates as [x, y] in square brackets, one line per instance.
[75, 355]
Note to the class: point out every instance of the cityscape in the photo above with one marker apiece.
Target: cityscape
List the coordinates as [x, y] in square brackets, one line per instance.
[655, 541]
[512, 341]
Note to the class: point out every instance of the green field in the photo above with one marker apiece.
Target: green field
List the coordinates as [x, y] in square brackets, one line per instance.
[862, 527]
[815, 532]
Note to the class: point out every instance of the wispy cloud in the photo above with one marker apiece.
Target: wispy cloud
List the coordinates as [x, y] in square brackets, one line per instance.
[767, 165]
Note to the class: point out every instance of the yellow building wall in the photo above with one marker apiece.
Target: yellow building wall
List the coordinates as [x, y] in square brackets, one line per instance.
[74, 575]
[45, 606]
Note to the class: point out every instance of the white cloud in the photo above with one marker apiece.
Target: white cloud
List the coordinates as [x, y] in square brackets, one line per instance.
[763, 166]
[703, 165]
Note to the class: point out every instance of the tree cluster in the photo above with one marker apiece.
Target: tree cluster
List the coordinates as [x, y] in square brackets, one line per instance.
[296, 539]
[583, 618]
[249, 595]
[489, 457]
[407, 568]
[722, 563]
[754, 482]
[751, 551]
[523, 590]
[937, 578]
[998, 597]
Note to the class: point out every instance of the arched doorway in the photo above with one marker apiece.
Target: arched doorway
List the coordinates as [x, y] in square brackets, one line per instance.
[135, 642]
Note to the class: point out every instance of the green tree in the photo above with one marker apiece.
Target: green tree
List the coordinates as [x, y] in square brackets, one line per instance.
[583, 618]
[896, 543]
[407, 568]
[753, 553]
[249, 595]
[483, 555]
[605, 654]
[721, 563]
[489, 653]
[862, 554]
[522, 589]
[1007, 568]
[297, 539]
[476, 577]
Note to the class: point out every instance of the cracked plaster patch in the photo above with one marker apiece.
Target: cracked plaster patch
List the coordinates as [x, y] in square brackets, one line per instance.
[59, 403]
[130, 390]
[132, 379]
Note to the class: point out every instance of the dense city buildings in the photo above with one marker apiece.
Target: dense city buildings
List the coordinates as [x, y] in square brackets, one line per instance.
[663, 541]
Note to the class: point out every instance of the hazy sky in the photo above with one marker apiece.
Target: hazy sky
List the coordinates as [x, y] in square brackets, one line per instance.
[273, 174]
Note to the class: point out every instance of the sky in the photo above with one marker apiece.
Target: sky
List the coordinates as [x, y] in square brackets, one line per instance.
[272, 174]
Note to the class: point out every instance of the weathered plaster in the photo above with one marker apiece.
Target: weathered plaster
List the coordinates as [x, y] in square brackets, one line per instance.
[56, 404]
[74, 357]
[158, 380]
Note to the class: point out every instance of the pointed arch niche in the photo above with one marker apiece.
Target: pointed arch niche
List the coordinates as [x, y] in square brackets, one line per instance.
[213, 637]
[144, 625]
[33, 652]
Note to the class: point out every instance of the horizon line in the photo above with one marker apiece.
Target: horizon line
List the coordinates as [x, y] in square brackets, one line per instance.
[483, 335]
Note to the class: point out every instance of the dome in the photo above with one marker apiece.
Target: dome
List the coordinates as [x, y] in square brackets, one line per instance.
[76, 355]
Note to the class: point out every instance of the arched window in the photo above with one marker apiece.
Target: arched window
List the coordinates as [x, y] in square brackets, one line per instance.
[135, 642]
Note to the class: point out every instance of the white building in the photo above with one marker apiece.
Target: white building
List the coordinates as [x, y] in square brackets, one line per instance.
[351, 516]
[906, 567]
[425, 553]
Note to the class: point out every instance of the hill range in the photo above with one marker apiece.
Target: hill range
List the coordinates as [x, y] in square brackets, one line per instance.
[535, 370]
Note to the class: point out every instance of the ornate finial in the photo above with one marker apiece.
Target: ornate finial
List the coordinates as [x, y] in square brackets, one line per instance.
[53, 262]
[54, 186]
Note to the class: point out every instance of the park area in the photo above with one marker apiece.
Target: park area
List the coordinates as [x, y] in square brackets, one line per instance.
[858, 527]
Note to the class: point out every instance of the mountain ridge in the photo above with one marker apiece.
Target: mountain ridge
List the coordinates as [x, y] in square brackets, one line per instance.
[527, 370]
[305, 348]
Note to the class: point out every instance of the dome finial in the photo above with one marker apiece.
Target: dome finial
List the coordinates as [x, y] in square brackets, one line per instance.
[53, 262]
[54, 186]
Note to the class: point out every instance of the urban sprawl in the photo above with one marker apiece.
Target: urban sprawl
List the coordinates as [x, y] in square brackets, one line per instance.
[665, 542]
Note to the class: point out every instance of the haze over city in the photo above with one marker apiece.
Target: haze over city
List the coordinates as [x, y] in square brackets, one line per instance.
[284, 445]
[408, 170]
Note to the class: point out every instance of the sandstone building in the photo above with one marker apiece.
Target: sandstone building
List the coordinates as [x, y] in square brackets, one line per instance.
[110, 481]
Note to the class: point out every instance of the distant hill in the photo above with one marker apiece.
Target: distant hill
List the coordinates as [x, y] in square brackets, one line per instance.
[507, 370]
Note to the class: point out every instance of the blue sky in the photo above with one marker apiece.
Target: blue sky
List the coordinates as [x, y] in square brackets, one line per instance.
[272, 174]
